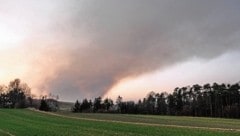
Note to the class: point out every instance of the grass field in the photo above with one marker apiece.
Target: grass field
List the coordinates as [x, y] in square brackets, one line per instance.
[32, 123]
[166, 120]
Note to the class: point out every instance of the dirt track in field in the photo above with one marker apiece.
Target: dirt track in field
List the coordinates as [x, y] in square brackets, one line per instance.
[5, 132]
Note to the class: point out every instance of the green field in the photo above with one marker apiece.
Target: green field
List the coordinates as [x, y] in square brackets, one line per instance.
[32, 123]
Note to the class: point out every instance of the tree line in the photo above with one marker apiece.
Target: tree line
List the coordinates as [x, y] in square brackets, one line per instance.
[18, 95]
[216, 100]
[15, 95]
[208, 100]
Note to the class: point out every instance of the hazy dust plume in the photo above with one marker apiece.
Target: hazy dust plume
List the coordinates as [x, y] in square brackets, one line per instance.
[85, 47]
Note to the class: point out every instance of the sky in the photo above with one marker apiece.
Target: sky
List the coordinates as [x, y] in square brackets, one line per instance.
[90, 48]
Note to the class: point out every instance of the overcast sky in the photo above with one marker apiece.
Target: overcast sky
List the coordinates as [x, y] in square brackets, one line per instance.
[77, 48]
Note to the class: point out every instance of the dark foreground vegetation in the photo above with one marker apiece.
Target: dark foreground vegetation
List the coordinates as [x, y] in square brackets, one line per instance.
[216, 100]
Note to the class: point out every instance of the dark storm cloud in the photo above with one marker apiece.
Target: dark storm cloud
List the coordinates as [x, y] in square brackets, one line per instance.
[106, 41]
[129, 38]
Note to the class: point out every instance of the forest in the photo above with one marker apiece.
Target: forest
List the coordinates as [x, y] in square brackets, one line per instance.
[208, 100]
[216, 100]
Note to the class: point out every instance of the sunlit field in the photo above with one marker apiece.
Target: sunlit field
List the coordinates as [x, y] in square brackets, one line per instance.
[27, 122]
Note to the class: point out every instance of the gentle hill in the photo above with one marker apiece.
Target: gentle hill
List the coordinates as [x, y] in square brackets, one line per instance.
[65, 106]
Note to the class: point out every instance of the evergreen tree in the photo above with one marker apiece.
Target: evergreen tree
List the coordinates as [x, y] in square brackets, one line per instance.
[44, 106]
[97, 104]
[77, 107]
